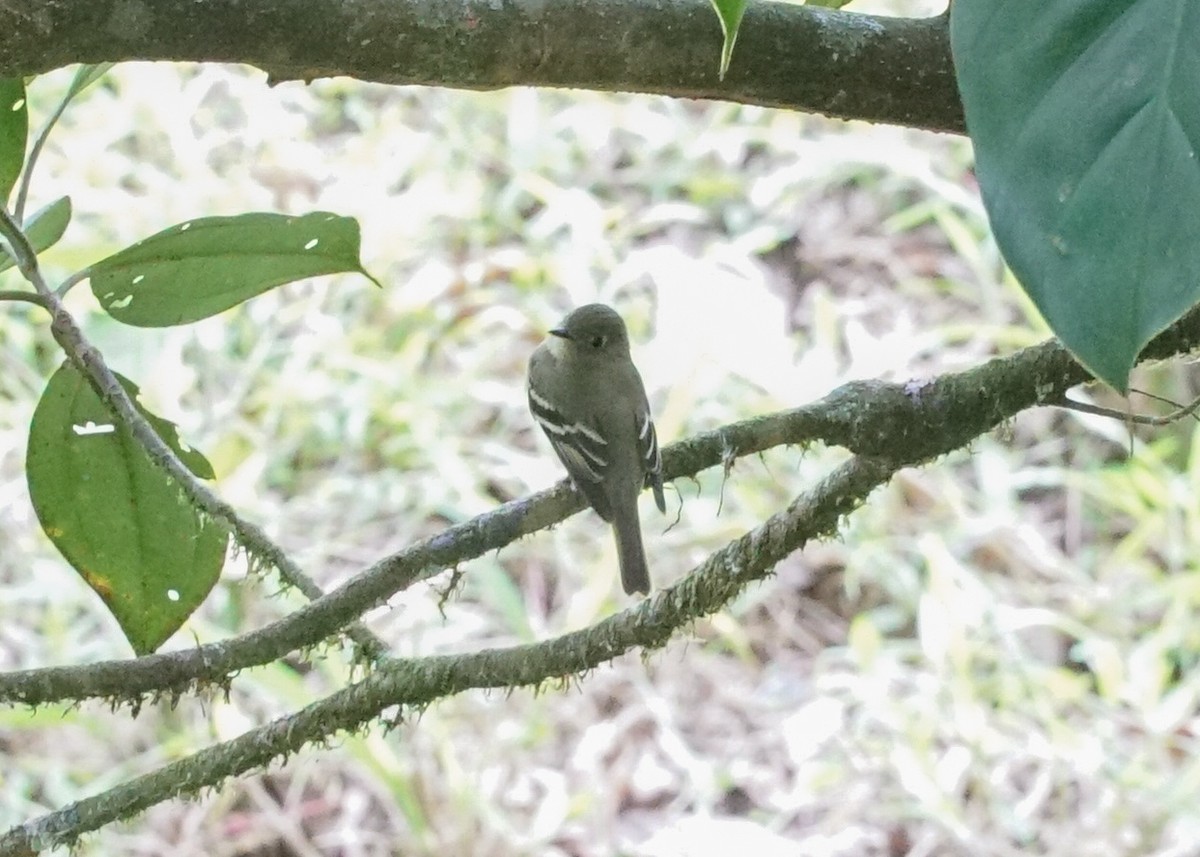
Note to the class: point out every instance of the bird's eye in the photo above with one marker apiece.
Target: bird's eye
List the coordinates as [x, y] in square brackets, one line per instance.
[597, 342]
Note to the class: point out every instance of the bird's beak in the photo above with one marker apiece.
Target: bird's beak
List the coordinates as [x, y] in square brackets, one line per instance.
[560, 332]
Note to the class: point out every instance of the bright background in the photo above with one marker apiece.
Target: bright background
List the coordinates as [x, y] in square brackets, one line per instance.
[995, 657]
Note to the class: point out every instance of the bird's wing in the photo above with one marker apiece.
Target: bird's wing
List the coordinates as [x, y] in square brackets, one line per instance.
[582, 450]
[651, 457]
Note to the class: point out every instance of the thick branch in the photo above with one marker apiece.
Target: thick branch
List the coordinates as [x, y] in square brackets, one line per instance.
[843, 64]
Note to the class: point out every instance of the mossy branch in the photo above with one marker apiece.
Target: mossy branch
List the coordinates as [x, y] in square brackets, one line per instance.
[414, 683]
[903, 423]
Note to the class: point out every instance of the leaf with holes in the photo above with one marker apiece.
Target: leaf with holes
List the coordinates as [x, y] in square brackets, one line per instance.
[14, 132]
[118, 519]
[43, 228]
[1086, 122]
[205, 266]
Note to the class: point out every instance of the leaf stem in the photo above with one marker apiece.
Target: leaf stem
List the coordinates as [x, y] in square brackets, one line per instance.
[27, 297]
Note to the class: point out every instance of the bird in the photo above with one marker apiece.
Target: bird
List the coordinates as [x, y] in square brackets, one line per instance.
[588, 397]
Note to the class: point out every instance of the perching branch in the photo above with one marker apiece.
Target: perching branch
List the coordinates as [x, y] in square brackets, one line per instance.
[903, 423]
[843, 64]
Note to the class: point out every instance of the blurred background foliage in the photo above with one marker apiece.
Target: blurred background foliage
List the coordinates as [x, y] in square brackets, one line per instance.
[995, 657]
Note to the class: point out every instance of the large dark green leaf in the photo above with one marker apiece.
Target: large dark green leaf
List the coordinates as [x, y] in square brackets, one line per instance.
[1086, 120]
[116, 517]
[14, 131]
[43, 228]
[201, 267]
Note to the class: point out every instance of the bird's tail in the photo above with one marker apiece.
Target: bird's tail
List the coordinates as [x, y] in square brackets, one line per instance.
[635, 577]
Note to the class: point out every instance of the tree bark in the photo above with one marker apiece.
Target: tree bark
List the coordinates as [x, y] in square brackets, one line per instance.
[842, 64]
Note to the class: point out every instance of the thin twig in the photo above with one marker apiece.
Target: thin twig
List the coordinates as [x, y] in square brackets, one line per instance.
[1185, 410]
[1129, 417]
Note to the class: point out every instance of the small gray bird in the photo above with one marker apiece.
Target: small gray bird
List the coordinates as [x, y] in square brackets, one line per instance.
[586, 394]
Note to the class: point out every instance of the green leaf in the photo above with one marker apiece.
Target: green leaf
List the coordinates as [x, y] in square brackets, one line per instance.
[202, 267]
[730, 13]
[14, 132]
[1086, 122]
[121, 522]
[85, 76]
[43, 228]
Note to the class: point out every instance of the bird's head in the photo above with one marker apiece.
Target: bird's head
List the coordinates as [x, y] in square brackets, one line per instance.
[591, 331]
